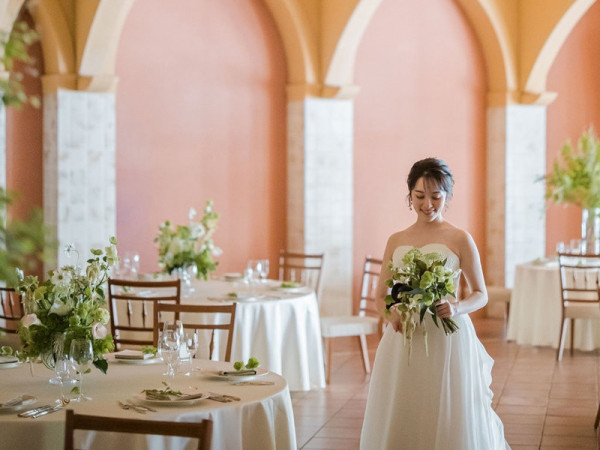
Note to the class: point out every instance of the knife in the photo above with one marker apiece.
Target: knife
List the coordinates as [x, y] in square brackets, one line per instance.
[31, 412]
[192, 396]
[46, 411]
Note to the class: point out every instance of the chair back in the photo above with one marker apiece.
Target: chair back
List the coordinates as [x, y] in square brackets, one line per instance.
[302, 268]
[131, 305]
[11, 310]
[206, 319]
[367, 304]
[579, 279]
[201, 430]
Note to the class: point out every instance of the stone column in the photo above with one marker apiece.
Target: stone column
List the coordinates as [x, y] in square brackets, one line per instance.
[320, 192]
[79, 170]
[516, 227]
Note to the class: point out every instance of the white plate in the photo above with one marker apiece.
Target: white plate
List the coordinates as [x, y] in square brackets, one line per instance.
[10, 365]
[239, 298]
[233, 276]
[215, 373]
[27, 400]
[140, 362]
[142, 398]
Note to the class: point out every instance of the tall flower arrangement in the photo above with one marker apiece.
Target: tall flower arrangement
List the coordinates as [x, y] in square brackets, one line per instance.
[70, 303]
[189, 245]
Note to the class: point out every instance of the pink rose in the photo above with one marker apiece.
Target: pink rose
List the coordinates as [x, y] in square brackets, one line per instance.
[99, 331]
[30, 319]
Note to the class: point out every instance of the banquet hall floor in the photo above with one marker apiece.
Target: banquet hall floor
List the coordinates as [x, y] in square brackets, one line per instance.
[543, 404]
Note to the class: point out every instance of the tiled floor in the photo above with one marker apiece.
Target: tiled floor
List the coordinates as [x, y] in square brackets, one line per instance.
[543, 404]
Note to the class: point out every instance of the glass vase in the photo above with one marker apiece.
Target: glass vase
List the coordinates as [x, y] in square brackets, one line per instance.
[186, 283]
[590, 231]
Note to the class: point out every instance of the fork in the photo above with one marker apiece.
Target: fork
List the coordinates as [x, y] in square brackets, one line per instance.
[131, 406]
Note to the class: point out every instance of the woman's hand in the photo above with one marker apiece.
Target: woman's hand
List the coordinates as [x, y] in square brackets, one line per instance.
[446, 309]
[395, 320]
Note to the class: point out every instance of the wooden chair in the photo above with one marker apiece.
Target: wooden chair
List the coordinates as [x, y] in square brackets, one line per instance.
[200, 430]
[201, 321]
[11, 310]
[129, 304]
[367, 321]
[302, 268]
[579, 281]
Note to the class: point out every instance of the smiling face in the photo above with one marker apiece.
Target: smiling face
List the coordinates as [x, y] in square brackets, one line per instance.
[428, 200]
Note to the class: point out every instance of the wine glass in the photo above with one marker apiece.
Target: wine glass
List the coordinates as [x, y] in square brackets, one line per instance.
[191, 343]
[81, 356]
[66, 376]
[169, 346]
[263, 269]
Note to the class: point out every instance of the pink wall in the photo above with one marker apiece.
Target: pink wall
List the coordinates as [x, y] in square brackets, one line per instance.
[423, 86]
[201, 114]
[575, 76]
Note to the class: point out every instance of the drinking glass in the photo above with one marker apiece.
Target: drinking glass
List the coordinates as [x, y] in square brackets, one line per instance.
[67, 379]
[561, 247]
[263, 269]
[168, 346]
[575, 246]
[191, 343]
[81, 356]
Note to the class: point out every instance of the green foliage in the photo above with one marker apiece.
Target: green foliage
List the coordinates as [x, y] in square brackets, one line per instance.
[21, 241]
[70, 303]
[576, 179]
[15, 49]
[251, 364]
[189, 245]
[149, 349]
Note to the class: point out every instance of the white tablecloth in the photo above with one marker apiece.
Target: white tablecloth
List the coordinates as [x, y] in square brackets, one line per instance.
[263, 419]
[535, 310]
[281, 330]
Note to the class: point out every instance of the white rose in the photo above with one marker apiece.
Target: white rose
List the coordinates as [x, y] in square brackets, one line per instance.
[60, 309]
[99, 331]
[30, 319]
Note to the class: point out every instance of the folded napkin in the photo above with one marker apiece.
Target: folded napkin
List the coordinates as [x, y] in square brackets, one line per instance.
[8, 359]
[237, 372]
[132, 354]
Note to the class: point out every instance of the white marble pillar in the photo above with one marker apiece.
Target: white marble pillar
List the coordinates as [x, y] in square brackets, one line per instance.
[320, 192]
[516, 227]
[79, 170]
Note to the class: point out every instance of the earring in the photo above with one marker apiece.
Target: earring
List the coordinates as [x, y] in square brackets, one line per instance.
[410, 205]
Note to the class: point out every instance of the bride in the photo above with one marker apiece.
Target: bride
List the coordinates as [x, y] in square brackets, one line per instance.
[441, 400]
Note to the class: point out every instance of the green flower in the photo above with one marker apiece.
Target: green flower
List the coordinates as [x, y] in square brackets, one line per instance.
[426, 280]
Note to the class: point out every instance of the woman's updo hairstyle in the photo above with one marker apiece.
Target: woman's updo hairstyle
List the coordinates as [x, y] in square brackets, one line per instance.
[433, 170]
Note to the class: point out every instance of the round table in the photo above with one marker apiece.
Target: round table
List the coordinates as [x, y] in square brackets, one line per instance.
[280, 327]
[262, 419]
[535, 310]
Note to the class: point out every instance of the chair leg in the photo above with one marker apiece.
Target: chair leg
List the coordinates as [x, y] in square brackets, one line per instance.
[362, 340]
[572, 335]
[597, 418]
[561, 342]
[328, 350]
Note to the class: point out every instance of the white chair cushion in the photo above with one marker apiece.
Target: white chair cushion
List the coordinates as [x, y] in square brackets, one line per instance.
[581, 311]
[498, 294]
[339, 326]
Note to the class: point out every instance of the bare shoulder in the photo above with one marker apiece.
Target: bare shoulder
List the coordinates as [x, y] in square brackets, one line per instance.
[461, 240]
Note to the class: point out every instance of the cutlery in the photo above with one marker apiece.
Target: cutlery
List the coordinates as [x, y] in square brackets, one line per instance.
[225, 397]
[31, 412]
[219, 398]
[136, 408]
[253, 383]
[46, 411]
[14, 402]
[191, 396]
[137, 405]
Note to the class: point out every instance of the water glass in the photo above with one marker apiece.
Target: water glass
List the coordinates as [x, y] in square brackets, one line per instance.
[168, 347]
[67, 379]
[561, 247]
[191, 344]
[81, 356]
[263, 268]
[576, 246]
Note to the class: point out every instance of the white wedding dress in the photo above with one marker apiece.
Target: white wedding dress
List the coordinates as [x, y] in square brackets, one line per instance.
[440, 401]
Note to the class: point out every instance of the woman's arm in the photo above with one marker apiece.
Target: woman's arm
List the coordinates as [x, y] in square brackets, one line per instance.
[382, 288]
[471, 269]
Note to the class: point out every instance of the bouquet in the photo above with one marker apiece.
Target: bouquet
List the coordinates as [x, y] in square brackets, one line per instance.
[67, 306]
[190, 245]
[416, 286]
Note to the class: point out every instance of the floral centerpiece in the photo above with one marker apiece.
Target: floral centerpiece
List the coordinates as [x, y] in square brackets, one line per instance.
[577, 181]
[421, 281]
[189, 245]
[69, 305]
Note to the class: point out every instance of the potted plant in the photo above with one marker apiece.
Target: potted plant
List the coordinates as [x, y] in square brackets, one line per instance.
[576, 180]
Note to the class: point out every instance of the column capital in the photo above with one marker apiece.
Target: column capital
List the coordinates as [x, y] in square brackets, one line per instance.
[505, 98]
[296, 92]
[97, 83]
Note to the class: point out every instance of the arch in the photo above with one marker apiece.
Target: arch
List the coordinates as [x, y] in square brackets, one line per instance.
[340, 68]
[300, 47]
[568, 18]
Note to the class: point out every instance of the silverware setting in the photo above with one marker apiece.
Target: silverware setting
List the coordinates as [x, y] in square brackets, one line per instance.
[14, 402]
[46, 411]
[222, 397]
[253, 383]
[40, 411]
[137, 408]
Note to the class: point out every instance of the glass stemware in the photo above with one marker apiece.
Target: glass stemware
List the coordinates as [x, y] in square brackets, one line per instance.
[168, 347]
[67, 378]
[191, 343]
[263, 269]
[81, 356]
